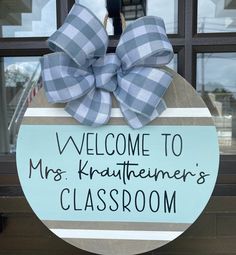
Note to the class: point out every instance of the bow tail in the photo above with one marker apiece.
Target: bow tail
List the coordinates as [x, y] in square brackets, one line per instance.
[94, 109]
[137, 120]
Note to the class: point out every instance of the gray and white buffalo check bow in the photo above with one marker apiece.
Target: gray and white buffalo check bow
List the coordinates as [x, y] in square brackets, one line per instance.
[81, 74]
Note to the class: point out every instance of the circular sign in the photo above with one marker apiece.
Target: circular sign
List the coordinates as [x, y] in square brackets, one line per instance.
[115, 190]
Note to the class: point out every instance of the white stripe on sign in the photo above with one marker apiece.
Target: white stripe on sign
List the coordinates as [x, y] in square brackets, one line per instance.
[116, 113]
[46, 112]
[186, 113]
[117, 234]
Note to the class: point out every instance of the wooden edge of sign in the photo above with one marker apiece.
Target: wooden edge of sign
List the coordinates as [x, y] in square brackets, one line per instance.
[116, 247]
[151, 226]
[180, 95]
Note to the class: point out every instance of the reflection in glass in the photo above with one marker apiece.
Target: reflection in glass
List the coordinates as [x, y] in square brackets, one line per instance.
[19, 75]
[216, 16]
[216, 83]
[27, 18]
[166, 9]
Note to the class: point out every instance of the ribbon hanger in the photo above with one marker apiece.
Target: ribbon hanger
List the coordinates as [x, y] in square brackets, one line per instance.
[114, 12]
[81, 74]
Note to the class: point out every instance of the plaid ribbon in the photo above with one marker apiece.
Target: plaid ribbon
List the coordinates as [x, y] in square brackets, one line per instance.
[81, 74]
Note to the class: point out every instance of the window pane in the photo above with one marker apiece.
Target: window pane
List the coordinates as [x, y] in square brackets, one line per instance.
[18, 76]
[216, 16]
[167, 9]
[217, 85]
[27, 18]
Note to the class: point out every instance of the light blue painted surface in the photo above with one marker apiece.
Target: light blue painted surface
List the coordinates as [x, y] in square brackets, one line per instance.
[200, 147]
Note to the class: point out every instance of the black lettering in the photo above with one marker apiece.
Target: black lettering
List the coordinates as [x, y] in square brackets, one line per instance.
[56, 173]
[177, 154]
[81, 169]
[124, 203]
[65, 208]
[89, 201]
[38, 165]
[61, 150]
[166, 143]
[133, 148]
[178, 175]
[169, 206]
[106, 145]
[103, 202]
[116, 204]
[145, 152]
[89, 150]
[126, 172]
[121, 146]
[202, 178]
[92, 172]
[151, 200]
[96, 145]
[142, 199]
[75, 201]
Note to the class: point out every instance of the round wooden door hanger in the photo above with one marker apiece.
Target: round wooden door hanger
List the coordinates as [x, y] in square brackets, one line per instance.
[115, 190]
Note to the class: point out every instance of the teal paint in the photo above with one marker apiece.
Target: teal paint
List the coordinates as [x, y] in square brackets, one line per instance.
[187, 156]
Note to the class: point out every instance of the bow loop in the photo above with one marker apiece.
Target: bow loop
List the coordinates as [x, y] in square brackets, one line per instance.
[81, 37]
[63, 80]
[142, 89]
[145, 42]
